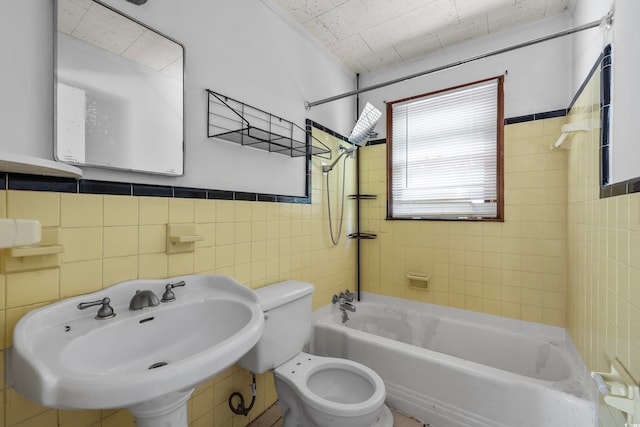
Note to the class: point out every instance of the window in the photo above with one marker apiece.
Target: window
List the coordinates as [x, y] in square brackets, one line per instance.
[444, 154]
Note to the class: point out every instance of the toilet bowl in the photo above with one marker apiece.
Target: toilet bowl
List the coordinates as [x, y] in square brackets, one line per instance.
[327, 392]
[313, 391]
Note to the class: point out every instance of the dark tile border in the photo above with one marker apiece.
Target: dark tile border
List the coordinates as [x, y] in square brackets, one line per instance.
[311, 123]
[377, 142]
[220, 195]
[537, 116]
[249, 197]
[509, 121]
[152, 190]
[41, 183]
[86, 186]
[189, 193]
[267, 198]
[13, 181]
[629, 186]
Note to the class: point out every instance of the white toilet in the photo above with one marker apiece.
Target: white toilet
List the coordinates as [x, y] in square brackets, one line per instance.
[313, 391]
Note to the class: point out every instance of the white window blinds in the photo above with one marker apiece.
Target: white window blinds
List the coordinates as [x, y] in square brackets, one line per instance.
[444, 154]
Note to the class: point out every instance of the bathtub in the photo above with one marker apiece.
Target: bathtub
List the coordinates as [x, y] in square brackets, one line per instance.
[453, 368]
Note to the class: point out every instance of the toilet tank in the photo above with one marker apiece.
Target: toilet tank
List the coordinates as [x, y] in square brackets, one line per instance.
[287, 308]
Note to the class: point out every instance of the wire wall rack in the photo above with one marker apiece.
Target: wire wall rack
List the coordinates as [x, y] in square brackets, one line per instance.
[240, 123]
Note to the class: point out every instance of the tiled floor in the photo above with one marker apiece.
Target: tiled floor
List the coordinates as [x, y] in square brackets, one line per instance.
[272, 418]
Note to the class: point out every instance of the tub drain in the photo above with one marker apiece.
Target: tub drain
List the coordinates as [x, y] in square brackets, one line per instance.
[158, 365]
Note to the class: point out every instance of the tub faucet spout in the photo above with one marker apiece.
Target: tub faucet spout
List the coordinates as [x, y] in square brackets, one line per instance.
[344, 307]
[347, 306]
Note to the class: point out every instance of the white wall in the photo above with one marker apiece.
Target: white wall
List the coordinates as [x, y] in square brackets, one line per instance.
[239, 48]
[624, 37]
[538, 78]
[587, 45]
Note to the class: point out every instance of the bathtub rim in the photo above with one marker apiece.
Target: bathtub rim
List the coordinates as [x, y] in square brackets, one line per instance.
[555, 334]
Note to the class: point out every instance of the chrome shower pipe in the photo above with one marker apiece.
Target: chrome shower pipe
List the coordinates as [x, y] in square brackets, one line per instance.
[343, 151]
[605, 21]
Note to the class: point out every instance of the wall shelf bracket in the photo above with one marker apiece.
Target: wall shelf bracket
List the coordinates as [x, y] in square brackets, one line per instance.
[620, 390]
[45, 254]
[182, 238]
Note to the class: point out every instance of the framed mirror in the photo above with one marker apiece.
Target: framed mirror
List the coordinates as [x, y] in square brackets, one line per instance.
[119, 91]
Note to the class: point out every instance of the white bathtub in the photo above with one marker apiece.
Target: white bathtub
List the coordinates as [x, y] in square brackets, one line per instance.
[450, 367]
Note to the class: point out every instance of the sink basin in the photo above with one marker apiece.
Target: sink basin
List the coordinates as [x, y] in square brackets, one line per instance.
[63, 357]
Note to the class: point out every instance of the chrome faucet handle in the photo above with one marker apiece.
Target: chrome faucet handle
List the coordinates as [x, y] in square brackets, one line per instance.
[168, 295]
[347, 295]
[104, 312]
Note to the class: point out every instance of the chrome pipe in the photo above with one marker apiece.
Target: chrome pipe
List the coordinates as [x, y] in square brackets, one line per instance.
[606, 20]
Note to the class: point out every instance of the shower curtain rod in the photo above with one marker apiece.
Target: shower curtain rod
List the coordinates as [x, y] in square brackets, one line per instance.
[606, 20]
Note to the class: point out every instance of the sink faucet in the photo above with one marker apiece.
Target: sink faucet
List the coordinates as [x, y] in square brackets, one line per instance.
[104, 312]
[143, 299]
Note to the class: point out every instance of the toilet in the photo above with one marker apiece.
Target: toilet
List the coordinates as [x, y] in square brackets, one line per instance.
[313, 391]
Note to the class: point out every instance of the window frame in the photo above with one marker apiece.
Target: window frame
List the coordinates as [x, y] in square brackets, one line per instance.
[499, 153]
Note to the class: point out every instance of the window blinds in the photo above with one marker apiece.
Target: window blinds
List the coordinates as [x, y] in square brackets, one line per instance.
[444, 154]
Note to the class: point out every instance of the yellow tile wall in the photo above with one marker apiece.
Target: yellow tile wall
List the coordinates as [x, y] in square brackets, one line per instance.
[603, 299]
[108, 239]
[516, 268]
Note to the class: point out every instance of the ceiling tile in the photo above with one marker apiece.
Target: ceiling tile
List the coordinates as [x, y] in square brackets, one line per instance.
[356, 66]
[555, 7]
[70, 13]
[419, 46]
[369, 34]
[305, 10]
[468, 9]
[463, 31]
[153, 50]
[380, 11]
[353, 46]
[381, 59]
[385, 35]
[107, 29]
[320, 32]
[436, 15]
[523, 11]
[175, 69]
[347, 19]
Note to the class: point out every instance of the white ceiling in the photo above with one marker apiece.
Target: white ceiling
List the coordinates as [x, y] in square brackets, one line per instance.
[371, 34]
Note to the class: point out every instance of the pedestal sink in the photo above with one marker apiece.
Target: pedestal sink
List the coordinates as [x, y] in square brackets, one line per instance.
[148, 360]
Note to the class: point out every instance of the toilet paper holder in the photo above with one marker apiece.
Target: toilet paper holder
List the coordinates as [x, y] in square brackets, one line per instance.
[620, 390]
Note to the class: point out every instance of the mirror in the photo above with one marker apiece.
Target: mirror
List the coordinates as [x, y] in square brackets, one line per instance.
[119, 91]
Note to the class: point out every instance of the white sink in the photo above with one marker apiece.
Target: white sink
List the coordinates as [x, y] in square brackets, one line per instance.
[144, 360]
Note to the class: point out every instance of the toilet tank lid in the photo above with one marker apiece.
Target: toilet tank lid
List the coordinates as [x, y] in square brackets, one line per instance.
[281, 293]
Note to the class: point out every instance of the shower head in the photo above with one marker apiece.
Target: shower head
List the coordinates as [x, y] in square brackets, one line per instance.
[361, 131]
[368, 119]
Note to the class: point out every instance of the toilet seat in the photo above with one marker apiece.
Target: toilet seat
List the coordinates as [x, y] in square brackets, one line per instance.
[362, 385]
